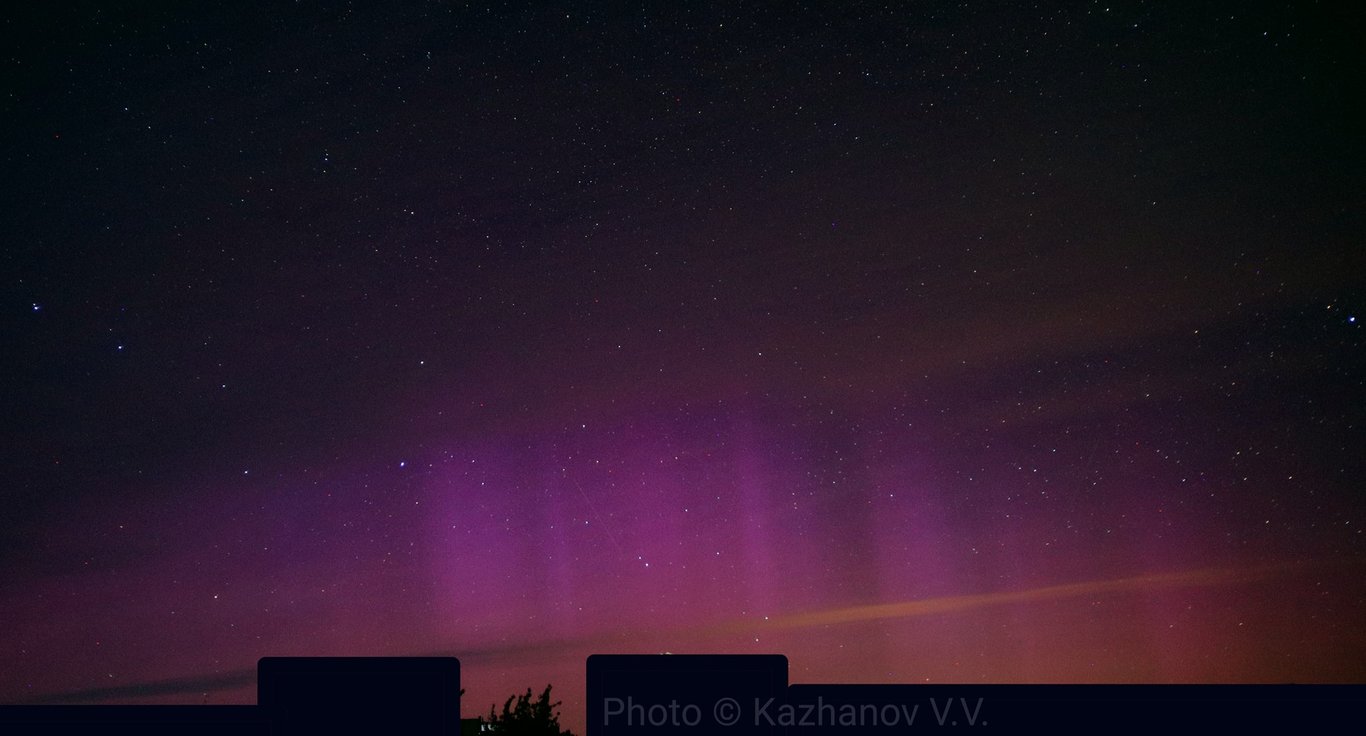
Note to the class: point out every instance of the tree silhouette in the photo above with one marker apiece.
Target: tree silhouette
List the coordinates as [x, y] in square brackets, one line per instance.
[528, 717]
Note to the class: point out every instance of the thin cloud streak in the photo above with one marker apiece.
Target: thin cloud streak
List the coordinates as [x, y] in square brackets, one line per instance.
[950, 604]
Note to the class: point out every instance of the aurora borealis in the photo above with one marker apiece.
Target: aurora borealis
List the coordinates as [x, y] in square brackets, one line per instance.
[920, 342]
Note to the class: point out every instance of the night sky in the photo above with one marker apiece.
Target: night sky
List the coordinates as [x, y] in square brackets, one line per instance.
[981, 342]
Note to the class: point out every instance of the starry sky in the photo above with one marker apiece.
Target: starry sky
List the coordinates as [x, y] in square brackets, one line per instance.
[951, 342]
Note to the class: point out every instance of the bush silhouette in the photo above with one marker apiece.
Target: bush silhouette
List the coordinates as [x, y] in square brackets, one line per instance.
[523, 716]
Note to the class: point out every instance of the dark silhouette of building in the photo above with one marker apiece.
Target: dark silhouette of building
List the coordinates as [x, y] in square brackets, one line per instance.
[332, 695]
